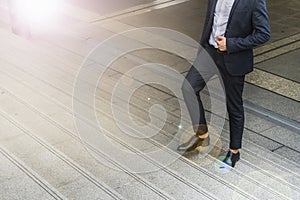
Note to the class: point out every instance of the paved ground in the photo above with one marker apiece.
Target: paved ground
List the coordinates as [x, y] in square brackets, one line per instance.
[286, 66]
[43, 155]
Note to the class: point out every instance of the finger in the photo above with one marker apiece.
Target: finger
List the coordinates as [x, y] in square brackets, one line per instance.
[218, 42]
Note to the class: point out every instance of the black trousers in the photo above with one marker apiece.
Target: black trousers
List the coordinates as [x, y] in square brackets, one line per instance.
[208, 63]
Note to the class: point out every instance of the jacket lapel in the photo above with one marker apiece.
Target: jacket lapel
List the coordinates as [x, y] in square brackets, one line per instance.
[212, 8]
[232, 10]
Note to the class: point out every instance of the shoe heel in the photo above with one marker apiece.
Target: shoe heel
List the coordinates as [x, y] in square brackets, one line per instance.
[206, 142]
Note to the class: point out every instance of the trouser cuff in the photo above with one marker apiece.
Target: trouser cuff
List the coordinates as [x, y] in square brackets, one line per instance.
[200, 129]
[235, 146]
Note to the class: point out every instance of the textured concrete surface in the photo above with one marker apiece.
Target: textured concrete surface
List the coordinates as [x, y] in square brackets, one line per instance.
[46, 157]
[286, 65]
[276, 103]
[286, 137]
[289, 153]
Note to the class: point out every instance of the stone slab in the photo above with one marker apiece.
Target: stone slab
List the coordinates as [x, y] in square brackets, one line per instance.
[289, 154]
[284, 136]
[286, 65]
[22, 187]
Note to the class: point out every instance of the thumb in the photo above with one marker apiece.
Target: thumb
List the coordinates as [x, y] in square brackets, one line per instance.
[219, 37]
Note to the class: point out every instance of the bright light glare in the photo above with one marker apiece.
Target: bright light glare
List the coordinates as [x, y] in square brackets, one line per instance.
[38, 11]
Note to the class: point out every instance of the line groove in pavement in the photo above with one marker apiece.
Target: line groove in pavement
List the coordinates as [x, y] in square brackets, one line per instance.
[31, 174]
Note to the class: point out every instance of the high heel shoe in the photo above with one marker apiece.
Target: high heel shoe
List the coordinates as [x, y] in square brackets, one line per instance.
[193, 143]
[231, 158]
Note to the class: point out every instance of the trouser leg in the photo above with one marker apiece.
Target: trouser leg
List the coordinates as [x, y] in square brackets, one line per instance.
[202, 70]
[234, 86]
[205, 67]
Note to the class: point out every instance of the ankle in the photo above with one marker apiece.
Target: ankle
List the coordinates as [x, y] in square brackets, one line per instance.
[235, 151]
[203, 135]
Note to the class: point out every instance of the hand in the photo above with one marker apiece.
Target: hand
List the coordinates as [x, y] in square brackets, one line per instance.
[221, 42]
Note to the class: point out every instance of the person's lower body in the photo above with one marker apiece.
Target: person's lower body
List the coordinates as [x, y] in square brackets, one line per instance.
[195, 81]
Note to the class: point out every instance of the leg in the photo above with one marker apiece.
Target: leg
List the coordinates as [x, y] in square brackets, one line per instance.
[201, 71]
[191, 88]
[234, 86]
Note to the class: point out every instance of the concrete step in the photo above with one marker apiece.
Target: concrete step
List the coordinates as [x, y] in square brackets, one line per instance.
[92, 182]
[37, 98]
[47, 164]
[18, 181]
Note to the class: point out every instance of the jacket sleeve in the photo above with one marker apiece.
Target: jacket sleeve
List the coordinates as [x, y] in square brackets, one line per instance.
[261, 33]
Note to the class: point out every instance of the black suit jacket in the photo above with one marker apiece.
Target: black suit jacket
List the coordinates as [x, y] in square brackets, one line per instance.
[248, 26]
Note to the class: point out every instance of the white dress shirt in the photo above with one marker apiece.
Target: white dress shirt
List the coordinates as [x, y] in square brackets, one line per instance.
[221, 16]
